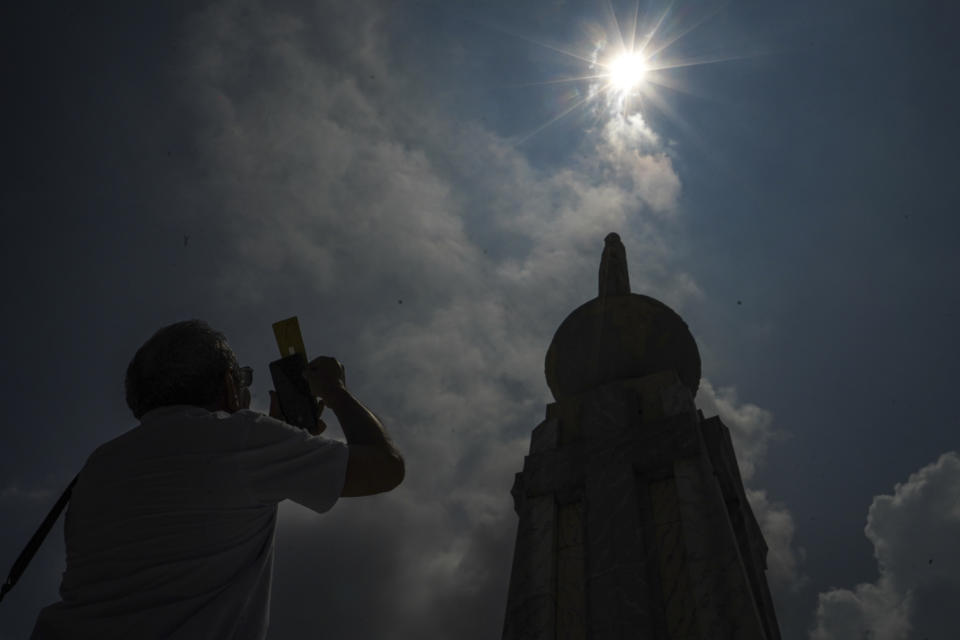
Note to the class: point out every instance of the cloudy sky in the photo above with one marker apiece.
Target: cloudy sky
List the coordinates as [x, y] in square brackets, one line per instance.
[427, 186]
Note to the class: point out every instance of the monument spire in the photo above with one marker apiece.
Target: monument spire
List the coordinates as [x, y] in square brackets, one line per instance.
[614, 277]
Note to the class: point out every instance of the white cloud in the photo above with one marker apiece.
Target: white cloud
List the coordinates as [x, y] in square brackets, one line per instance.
[873, 611]
[914, 534]
[635, 155]
[751, 427]
[776, 523]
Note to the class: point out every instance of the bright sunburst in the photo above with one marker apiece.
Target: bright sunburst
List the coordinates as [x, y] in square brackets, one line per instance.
[627, 71]
[626, 64]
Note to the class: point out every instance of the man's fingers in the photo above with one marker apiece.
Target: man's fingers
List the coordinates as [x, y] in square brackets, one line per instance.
[324, 373]
[325, 362]
[321, 426]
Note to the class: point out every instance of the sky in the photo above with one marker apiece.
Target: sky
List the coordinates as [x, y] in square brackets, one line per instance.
[427, 186]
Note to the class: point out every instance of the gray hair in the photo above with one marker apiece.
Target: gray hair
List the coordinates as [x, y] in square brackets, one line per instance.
[182, 363]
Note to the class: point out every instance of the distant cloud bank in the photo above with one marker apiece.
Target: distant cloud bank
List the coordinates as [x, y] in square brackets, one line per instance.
[914, 534]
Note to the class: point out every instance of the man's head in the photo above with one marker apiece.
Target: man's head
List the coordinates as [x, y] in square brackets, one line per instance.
[184, 363]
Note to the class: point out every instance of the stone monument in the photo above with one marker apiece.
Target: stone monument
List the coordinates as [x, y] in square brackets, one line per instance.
[633, 518]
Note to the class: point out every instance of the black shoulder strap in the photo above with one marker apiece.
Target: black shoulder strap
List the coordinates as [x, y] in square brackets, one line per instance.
[27, 554]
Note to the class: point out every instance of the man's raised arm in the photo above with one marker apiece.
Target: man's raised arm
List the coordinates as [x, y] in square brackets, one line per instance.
[374, 464]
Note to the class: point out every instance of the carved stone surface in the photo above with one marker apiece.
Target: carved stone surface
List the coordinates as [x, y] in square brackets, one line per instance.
[571, 583]
[534, 618]
[724, 602]
[545, 436]
[676, 399]
[616, 560]
[568, 413]
[552, 471]
[657, 445]
[609, 412]
[705, 588]
[531, 609]
[680, 614]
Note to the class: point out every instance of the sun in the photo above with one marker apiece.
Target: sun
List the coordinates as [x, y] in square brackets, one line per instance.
[627, 71]
[625, 67]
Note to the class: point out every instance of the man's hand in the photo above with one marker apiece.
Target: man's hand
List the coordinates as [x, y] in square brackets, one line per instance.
[275, 412]
[325, 376]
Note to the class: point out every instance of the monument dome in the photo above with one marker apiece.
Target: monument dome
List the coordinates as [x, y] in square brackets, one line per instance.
[619, 335]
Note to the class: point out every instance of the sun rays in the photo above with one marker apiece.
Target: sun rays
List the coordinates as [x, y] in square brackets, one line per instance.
[626, 65]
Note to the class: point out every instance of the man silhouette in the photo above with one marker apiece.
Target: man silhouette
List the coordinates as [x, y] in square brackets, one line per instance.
[170, 529]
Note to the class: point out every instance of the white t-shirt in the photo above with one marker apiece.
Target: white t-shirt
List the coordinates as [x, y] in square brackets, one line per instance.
[170, 528]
